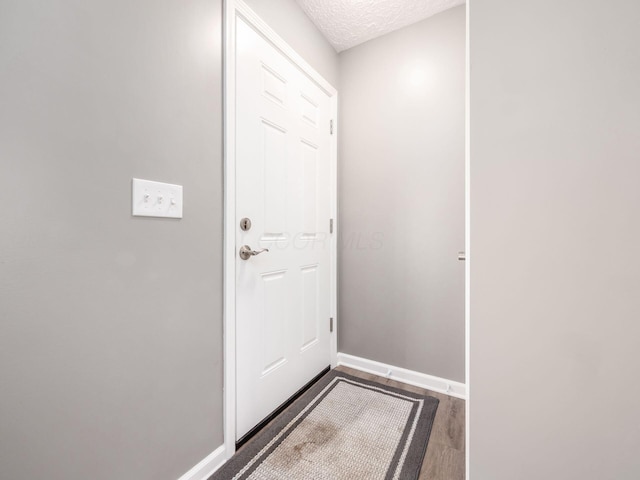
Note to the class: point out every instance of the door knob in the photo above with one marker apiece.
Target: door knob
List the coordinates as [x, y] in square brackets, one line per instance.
[246, 253]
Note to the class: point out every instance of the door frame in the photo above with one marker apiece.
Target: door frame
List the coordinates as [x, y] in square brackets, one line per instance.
[232, 10]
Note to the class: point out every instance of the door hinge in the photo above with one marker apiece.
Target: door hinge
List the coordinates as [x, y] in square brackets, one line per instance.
[331, 127]
[331, 324]
[331, 225]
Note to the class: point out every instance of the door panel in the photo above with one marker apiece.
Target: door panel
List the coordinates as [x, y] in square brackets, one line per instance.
[310, 304]
[282, 185]
[275, 178]
[273, 316]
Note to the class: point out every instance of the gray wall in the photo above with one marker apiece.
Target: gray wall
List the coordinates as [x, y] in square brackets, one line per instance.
[292, 24]
[110, 326]
[555, 222]
[401, 174]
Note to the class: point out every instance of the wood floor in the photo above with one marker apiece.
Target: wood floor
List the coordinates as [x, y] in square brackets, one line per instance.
[445, 453]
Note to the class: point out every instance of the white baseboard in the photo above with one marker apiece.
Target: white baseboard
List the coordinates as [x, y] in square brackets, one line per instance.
[422, 380]
[207, 466]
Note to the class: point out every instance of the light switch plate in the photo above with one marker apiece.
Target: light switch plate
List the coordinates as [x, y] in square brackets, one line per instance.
[155, 199]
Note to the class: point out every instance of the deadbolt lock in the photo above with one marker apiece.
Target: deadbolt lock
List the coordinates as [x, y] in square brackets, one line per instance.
[245, 224]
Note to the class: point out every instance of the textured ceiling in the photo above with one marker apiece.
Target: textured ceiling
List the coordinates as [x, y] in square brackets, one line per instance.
[347, 23]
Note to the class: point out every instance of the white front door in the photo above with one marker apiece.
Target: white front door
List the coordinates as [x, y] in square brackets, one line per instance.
[283, 188]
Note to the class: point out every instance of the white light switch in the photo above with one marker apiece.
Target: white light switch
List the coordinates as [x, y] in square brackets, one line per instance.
[155, 199]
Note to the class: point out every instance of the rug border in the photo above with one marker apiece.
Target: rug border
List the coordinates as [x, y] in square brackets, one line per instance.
[416, 451]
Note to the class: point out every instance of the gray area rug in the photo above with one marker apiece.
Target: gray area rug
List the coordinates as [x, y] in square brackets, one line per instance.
[343, 428]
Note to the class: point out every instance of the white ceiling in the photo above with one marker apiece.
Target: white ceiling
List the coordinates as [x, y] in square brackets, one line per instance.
[347, 23]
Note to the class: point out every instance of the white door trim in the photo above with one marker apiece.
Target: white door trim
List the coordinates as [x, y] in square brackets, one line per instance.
[232, 10]
[467, 240]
